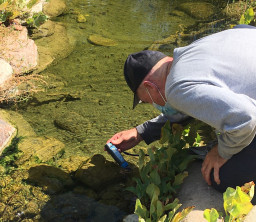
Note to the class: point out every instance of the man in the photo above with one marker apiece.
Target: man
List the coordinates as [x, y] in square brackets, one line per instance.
[212, 80]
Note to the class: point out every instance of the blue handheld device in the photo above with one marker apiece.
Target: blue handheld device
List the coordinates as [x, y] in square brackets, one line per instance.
[113, 151]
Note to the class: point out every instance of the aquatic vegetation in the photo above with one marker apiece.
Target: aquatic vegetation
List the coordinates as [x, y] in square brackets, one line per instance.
[160, 176]
[237, 204]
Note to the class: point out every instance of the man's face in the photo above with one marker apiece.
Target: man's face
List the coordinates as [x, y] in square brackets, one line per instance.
[153, 86]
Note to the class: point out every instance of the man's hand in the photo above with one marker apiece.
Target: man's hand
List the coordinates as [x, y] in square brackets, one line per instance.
[126, 139]
[212, 161]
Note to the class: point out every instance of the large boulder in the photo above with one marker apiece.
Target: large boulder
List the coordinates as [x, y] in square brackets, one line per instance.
[51, 179]
[5, 71]
[98, 173]
[18, 49]
[198, 10]
[7, 131]
[101, 41]
[54, 8]
[54, 44]
[43, 148]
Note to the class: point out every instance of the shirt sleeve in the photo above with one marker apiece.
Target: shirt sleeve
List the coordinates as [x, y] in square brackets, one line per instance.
[232, 115]
[150, 131]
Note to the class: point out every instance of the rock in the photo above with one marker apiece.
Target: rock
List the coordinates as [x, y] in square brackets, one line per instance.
[251, 216]
[5, 71]
[51, 179]
[35, 8]
[44, 148]
[54, 8]
[195, 192]
[72, 163]
[198, 10]
[44, 30]
[131, 218]
[101, 41]
[7, 132]
[54, 47]
[98, 173]
[18, 49]
[81, 18]
[234, 10]
[74, 123]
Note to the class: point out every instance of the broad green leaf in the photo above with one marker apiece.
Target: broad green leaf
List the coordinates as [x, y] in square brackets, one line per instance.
[163, 218]
[165, 132]
[249, 188]
[236, 202]
[181, 215]
[183, 165]
[170, 152]
[141, 219]
[151, 154]
[179, 178]
[172, 213]
[140, 210]
[155, 178]
[211, 215]
[141, 159]
[152, 207]
[159, 208]
[172, 205]
[152, 189]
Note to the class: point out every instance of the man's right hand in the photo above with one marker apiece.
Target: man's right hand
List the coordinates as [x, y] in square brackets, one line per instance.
[126, 139]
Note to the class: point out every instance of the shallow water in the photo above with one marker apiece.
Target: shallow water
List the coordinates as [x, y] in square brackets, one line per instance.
[95, 73]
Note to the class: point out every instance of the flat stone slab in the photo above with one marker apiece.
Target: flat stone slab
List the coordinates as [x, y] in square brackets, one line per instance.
[6, 133]
[196, 192]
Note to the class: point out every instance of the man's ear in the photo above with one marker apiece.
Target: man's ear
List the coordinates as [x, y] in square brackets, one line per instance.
[148, 84]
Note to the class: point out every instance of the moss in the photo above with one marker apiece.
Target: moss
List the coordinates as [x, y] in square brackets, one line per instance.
[10, 155]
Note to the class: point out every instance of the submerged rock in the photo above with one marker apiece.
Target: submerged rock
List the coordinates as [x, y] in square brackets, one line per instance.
[5, 71]
[44, 30]
[43, 148]
[74, 123]
[51, 179]
[81, 18]
[198, 10]
[54, 47]
[54, 8]
[98, 173]
[101, 41]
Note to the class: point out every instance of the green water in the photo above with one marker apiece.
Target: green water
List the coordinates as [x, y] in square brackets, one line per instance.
[95, 73]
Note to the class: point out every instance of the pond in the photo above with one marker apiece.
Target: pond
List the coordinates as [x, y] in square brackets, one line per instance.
[95, 73]
[91, 101]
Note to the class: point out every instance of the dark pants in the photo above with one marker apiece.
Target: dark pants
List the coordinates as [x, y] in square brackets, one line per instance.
[238, 170]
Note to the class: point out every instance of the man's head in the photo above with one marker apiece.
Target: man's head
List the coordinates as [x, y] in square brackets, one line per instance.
[145, 69]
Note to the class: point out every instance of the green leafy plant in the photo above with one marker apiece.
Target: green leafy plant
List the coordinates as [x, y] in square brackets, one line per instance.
[237, 204]
[36, 20]
[11, 9]
[161, 174]
[247, 17]
[8, 11]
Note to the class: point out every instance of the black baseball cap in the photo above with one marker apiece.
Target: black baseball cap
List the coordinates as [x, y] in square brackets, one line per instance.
[136, 68]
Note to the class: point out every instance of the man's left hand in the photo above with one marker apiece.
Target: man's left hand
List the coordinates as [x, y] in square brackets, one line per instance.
[212, 161]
